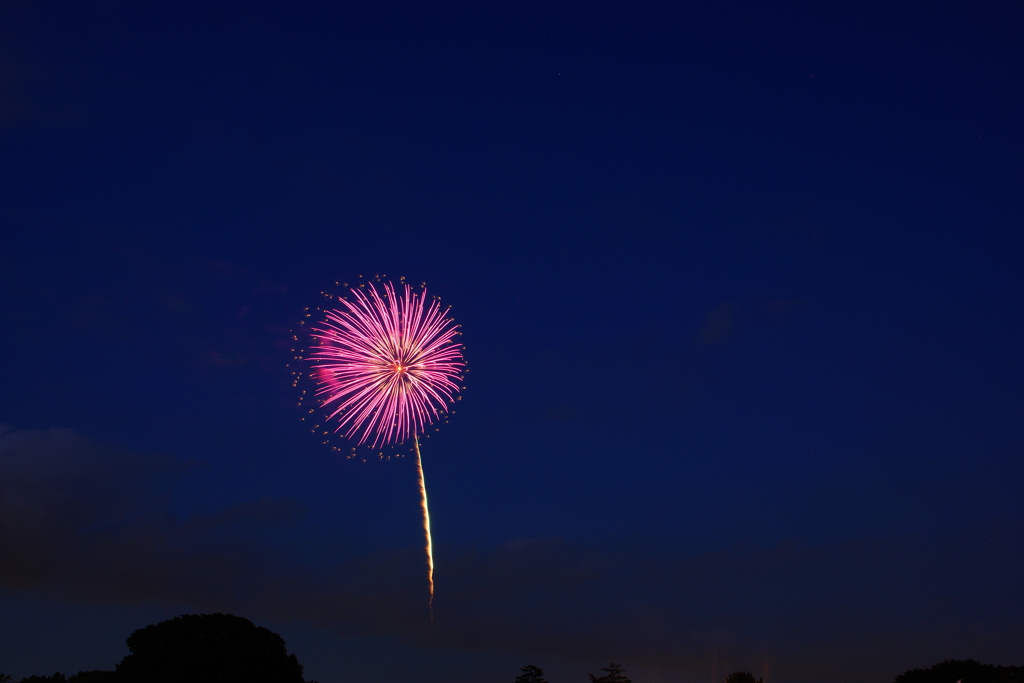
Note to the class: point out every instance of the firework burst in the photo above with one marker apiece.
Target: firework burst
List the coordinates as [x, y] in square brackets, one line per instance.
[387, 365]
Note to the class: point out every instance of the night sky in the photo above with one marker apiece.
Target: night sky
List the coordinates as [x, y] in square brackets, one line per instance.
[741, 292]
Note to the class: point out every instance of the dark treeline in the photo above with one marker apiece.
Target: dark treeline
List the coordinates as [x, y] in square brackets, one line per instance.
[222, 648]
[965, 671]
[613, 673]
[949, 671]
[80, 677]
[200, 648]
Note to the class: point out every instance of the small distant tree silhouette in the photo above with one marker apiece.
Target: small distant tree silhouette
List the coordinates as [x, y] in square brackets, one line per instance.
[613, 674]
[4, 678]
[531, 674]
[55, 678]
[742, 677]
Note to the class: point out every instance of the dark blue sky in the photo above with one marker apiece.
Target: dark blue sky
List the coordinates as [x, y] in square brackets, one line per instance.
[741, 292]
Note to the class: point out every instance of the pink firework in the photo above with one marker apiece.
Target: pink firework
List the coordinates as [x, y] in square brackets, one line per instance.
[386, 364]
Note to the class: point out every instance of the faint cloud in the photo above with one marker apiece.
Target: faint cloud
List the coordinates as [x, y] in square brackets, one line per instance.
[780, 311]
[213, 316]
[15, 75]
[287, 70]
[29, 92]
[560, 413]
[724, 322]
[719, 325]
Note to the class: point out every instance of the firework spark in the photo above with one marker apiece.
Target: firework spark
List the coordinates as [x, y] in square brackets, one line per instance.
[387, 366]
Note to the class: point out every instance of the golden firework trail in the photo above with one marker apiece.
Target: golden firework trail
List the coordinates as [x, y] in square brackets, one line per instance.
[426, 524]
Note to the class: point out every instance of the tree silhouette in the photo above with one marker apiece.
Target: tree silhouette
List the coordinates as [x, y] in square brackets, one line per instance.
[968, 671]
[207, 648]
[742, 677]
[93, 677]
[80, 677]
[613, 674]
[531, 674]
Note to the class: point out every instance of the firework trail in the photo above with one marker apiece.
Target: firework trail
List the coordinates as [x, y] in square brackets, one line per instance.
[387, 366]
[426, 524]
